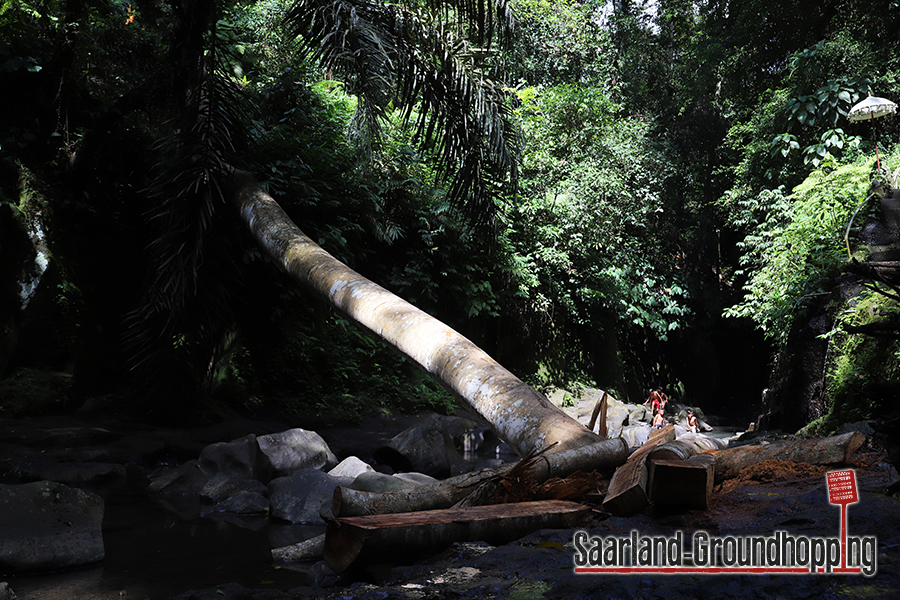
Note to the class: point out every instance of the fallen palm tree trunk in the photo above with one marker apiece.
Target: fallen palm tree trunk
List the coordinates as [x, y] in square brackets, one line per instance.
[524, 418]
[357, 540]
[602, 456]
[682, 483]
[627, 494]
[824, 451]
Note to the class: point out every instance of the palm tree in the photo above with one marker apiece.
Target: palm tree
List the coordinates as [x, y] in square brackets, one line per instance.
[431, 60]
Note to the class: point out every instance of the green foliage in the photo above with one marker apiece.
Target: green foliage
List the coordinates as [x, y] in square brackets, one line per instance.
[592, 244]
[795, 244]
[560, 42]
[615, 255]
[863, 362]
[26, 392]
[594, 213]
[309, 362]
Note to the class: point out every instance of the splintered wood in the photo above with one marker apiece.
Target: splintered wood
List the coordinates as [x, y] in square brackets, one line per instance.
[627, 493]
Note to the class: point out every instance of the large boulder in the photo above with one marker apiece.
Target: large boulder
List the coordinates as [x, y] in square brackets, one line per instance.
[618, 416]
[635, 435]
[639, 413]
[416, 478]
[296, 449]
[425, 448]
[49, 526]
[298, 498]
[185, 480]
[240, 459]
[350, 467]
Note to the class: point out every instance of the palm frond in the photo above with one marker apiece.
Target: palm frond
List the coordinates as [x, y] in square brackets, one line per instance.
[187, 309]
[424, 62]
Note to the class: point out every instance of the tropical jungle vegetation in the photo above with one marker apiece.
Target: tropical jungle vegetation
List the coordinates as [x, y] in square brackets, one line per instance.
[620, 194]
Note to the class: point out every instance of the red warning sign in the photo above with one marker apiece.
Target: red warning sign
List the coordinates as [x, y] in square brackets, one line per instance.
[842, 487]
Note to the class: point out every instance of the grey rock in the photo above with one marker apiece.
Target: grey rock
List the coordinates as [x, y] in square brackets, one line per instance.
[416, 478]
[6, 592]
[705, 441]
[321, 575]
[426, 448]
[638, 413]
[299, 497]
[49, 526]
[350, 467]
[635, 435]
[296, 449]
[244, 502]
[221, 487]
[617, 415]
[185, 480]
[240, 459]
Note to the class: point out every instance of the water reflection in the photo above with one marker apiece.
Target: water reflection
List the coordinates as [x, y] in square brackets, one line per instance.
[156, 550]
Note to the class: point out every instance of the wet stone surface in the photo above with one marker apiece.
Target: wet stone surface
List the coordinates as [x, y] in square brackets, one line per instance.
[541, 565]
[160, 547]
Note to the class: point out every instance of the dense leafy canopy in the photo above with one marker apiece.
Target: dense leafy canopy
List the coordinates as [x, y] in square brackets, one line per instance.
[620, 193]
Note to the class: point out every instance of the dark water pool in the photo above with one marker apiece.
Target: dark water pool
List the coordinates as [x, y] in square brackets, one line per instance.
[155, 552]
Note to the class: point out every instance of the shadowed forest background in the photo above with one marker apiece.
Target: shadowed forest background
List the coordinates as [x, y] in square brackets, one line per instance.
[675, 216]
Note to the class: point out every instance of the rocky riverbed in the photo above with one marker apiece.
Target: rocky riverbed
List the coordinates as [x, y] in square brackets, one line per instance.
[204, 540]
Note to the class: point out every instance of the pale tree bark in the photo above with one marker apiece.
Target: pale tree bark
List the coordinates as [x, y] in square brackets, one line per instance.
[520, 415]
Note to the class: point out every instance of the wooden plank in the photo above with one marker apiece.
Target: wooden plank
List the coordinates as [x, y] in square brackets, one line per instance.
[377, 538]
[682, 483]
[627, 493]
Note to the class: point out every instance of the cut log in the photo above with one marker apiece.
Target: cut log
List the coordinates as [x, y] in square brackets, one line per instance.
[704, 442]
[673, 450]
[683, 448]
[627, 493]
[604, 455]
[360, 540]
[431, 496]
[311, 549]
[825, 451]
[682, 483]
